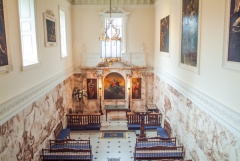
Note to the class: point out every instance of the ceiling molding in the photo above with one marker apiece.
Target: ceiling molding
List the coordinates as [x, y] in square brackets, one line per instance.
[106, 2]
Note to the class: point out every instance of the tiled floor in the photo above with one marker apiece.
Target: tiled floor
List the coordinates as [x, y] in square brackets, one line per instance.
[103, 149]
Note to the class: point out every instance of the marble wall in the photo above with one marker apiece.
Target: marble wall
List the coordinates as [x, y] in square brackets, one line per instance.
[146, 90]
[24, 135]
[91, 106]
[204, 138]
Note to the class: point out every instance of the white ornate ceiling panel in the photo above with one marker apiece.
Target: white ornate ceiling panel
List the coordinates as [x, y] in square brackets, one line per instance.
[106, 2]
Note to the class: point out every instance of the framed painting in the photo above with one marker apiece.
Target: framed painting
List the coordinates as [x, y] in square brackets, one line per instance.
[136, 88]
[92, 88]
[5, 58]
[164, 34]
[190, 35]
[231, 52]
[114, 86]
[50, 28]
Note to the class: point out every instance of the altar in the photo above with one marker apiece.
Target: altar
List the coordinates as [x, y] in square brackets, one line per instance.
[110, 108]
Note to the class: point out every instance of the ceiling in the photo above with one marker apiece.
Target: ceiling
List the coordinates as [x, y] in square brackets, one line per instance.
[106, 2]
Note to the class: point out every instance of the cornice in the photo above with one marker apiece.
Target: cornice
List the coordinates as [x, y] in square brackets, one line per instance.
[106, 2]
[15, 105]
[227, 117]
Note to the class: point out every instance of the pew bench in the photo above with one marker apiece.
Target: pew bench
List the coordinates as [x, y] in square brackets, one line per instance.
[70, 144]
[158, 152]
[161, 132]
[60, 133]
[66, 154]
[155, 141]
[83, 122]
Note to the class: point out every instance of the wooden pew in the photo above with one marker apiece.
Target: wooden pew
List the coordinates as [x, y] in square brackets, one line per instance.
[83, 122]
[155, 141]
[151, 121]
[66, 154]
[60, 133]
[158, 152]
[70, 144]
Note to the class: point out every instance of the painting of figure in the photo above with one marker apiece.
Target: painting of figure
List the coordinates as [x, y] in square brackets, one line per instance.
[136, 88]
[234, 32]
[3, 44]
[189, 39]
[92, 88]
[164, 34]
[51, 33]
[114, 86]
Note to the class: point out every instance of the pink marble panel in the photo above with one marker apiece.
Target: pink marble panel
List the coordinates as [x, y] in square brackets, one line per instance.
[24, 135]
[203, 137]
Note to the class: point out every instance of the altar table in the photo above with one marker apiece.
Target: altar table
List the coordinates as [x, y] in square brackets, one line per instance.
[110, 108]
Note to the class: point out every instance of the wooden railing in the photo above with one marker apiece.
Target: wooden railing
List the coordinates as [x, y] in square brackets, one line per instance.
[83, 122]
[152, 119]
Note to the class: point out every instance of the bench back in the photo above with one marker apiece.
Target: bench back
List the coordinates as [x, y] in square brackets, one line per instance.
[58, 129]
[155, 141]
[161, 148]
[169, 151]
[70, 143]
[66, 154]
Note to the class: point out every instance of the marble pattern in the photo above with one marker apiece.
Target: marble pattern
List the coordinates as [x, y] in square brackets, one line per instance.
[203, 137]
[24, 135]
[92, 106]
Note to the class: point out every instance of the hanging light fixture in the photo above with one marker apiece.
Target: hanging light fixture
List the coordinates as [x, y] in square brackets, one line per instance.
[110, 42]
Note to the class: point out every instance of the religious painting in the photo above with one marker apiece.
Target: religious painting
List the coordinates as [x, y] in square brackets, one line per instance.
[50, 28]
[114, 86]
[3, 44]
[136, 88]
[232, 35]
[234, 32]
[190, 36]
[92, 88]
[164, 34]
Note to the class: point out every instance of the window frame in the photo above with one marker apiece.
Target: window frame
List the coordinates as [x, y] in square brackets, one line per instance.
[60, 33]
[117, 13]
[33, 34]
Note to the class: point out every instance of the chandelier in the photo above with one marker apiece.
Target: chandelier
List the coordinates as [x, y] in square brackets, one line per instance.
[110, 42]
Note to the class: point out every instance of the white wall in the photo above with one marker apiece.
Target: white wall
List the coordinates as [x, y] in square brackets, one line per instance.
[86, 23]
[213, 80]
[51, 64]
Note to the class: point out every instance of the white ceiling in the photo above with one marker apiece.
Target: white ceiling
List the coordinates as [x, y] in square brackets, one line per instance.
[105, 2]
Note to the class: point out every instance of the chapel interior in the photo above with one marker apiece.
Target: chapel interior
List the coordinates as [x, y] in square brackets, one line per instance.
[59, 88]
